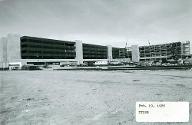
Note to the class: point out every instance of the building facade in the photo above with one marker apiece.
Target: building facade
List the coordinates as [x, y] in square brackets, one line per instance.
[22, 50]
[175, 50]
[25, 50]
[40, 48]
[91, 51]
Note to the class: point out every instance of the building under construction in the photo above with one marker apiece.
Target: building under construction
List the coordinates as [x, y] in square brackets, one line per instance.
[175, 50]
[18, 50]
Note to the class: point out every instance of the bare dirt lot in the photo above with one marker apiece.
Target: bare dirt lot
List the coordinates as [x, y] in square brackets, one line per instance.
[87, 97]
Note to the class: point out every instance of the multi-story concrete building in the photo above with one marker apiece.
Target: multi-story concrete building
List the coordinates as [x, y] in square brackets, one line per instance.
[175, 50]
[22, 50]
[16, 50]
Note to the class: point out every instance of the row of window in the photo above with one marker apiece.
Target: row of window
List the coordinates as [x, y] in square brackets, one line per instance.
[45, 41]
[48, 57]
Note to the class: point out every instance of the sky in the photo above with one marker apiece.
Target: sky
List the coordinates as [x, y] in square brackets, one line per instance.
[106, 22]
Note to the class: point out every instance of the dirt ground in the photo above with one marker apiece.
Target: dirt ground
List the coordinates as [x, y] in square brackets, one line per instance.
[87, 97]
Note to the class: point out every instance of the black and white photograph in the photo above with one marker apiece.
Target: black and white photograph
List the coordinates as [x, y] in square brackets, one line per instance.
[95, 62]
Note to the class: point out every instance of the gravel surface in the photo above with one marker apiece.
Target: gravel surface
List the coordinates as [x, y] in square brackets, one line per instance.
[87, 97]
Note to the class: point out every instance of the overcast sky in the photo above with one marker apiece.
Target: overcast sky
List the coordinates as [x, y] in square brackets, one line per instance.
[105, 22]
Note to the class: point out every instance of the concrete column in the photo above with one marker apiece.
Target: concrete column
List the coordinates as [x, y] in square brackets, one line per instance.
[182, 50]
[3, 55]
[10, 50]
[135, 53]
[109, 53]
[190, 47]
[1, 50]
[14, 48]
[79, 52]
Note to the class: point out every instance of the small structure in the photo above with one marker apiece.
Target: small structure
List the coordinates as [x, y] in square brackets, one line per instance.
[101, 63]
[15, 65]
